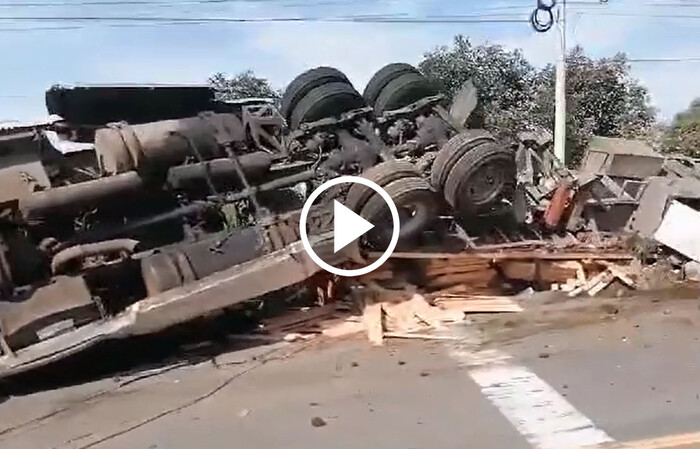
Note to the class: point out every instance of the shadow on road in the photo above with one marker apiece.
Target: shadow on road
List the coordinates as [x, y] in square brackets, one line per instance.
[187, 344]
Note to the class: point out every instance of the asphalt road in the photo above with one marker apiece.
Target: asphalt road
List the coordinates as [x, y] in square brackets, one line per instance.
[600, 376]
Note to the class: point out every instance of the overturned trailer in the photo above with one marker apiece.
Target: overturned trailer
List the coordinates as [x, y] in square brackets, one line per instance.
[160, 222]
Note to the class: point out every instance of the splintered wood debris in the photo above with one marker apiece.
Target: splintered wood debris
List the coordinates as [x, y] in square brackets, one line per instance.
[388, 317]
[415, 294]
[497, 273]
[415, 317]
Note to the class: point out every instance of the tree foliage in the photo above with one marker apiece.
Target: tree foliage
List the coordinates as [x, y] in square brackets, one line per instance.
[504, 79]
[683, 136]
[602, 98]
[243, 85]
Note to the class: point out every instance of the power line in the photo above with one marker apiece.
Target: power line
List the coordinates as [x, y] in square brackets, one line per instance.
[191, 2]
[175, 20]
[130, 3]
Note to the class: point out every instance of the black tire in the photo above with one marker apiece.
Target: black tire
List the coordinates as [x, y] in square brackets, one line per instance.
[381, 174]
[328, 100]
[480, 179]
[402, 91]
[452, 151]
[384, 76]
[304, 83]
[416, 202]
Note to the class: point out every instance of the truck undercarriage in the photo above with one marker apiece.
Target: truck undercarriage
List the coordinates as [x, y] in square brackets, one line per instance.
[132, 225]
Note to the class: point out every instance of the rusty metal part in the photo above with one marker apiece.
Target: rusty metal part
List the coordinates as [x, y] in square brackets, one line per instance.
[272, 185]
[432, 130]
[222, 171]
[194, 208]
[69, 199]
[21, 169]
[355, 155]
[122, 147]
[64, 257]
[177, 266]
[63, 304]
[264, 125]
[557, 206]
[99, 234]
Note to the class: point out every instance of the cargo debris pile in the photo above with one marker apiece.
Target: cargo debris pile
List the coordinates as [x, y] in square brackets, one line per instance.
[134, 208]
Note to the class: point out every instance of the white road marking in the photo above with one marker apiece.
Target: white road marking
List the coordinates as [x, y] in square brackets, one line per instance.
[543, 416]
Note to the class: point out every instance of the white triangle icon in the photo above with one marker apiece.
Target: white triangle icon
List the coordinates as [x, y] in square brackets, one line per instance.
[347, 226]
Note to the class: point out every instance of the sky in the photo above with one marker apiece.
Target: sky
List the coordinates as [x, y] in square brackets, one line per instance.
[42, 43]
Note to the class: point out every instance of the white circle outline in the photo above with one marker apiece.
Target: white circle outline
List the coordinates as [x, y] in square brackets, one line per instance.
[394, 235]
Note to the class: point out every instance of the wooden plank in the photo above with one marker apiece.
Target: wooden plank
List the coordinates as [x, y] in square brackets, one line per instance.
[426, 313]
[592, 282]
[621, 274]
[604, 282]
[372, 320]
[446, 297]
[502, 305]
[401, 317]
[420, 336]
[523, 255]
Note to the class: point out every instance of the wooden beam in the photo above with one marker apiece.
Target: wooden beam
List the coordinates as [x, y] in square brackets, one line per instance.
[514, 255]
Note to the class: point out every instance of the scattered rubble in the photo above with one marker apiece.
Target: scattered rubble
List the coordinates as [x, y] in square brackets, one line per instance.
[318, 422]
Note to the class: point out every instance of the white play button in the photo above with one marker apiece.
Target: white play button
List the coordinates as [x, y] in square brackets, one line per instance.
[347, 226]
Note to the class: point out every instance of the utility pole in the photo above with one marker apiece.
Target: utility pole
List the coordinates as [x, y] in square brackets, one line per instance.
[543, 18]
[560, 88]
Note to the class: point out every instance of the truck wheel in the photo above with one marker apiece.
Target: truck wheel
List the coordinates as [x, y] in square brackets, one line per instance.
[402, 91]
[415, 202]
[328, 100]
[383, 77]
[454, 149]
[480, 179]
[381, 174]
[304, 83]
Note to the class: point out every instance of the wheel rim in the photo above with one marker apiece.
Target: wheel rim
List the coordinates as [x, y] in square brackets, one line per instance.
[410, 214]
[487, 184]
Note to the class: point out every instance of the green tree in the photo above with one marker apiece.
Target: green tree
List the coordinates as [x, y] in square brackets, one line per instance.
[243, 85]
[602, 97]
[683, 136]
[505, 81]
